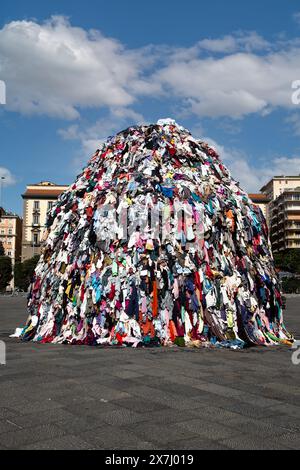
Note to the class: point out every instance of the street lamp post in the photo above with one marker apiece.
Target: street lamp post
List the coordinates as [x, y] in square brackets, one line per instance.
[2, 178]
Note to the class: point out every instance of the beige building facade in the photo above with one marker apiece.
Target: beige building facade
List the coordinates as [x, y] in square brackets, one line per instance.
[278, 184]
[37, 201]
[283, 211]
[11, 236]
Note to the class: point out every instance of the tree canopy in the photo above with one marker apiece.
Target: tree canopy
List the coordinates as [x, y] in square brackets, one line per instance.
[24, 272]
[5, 272]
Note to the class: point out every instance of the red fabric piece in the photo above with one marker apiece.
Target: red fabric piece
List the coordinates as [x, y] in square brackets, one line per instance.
[198, 285]
[208, 272]
[82, 293]
[197, 280]
[119, 338]
[89, 212]
[155, 300]
[112, 292]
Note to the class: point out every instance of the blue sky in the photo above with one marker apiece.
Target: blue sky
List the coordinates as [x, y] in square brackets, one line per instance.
[78, 72]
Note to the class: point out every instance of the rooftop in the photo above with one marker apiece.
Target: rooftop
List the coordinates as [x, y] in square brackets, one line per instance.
[46, 194]
[47, 184]
[4, 213]
[44, 189]
[259, 197]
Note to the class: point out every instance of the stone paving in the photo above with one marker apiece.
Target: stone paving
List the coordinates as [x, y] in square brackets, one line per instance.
[81, 397]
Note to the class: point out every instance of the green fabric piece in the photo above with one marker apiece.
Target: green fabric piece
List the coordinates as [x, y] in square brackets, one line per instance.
[179, 341]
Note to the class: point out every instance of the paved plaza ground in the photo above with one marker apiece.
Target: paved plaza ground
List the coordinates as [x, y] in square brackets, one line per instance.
[81, 397]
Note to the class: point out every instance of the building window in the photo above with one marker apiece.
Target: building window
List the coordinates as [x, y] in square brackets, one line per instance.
[50, 205]
[9, 253]
[10, 232]
[36, 219]
[35, 238]
[2, 231]
[36, 205]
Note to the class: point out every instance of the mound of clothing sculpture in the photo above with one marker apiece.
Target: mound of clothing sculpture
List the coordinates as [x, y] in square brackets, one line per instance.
[155, 244]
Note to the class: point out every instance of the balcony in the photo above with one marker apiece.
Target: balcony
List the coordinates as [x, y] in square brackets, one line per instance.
[293, 208]
[293, 236]
[292, 198]
[31, 244]
[293, 245]
[293, 227]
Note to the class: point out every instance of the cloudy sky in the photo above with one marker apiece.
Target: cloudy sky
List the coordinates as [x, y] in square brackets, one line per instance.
[76, 72]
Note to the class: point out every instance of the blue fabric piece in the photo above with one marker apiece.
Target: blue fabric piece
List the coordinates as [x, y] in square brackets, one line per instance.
[167, 192]
[96, 284]
[132, 309]
[196, 197]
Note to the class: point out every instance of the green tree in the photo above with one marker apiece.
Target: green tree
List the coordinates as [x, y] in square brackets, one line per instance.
[288, 260]
[24, 272]
[291, 285]
[5, 272]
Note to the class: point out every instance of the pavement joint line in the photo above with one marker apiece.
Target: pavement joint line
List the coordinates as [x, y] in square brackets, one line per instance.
[14, 424]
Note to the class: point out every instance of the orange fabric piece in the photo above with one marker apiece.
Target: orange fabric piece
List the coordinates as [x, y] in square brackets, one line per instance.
[173, 331]
[230, 215]
[148, 328]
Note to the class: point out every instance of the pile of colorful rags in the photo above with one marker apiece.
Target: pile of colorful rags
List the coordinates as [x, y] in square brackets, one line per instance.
[155, 244]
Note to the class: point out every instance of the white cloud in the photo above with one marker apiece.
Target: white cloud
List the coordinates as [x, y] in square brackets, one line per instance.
[234, 85]
[55, 69]
[70, 133]
[250, 176]
[9, 177]
[92, 136]
[248, 41]
[284, 166]
[225, 44]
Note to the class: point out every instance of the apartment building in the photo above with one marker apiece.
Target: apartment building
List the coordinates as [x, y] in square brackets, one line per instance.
[285, 220]
[283, 211]
[11, 236]
[37, 200]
